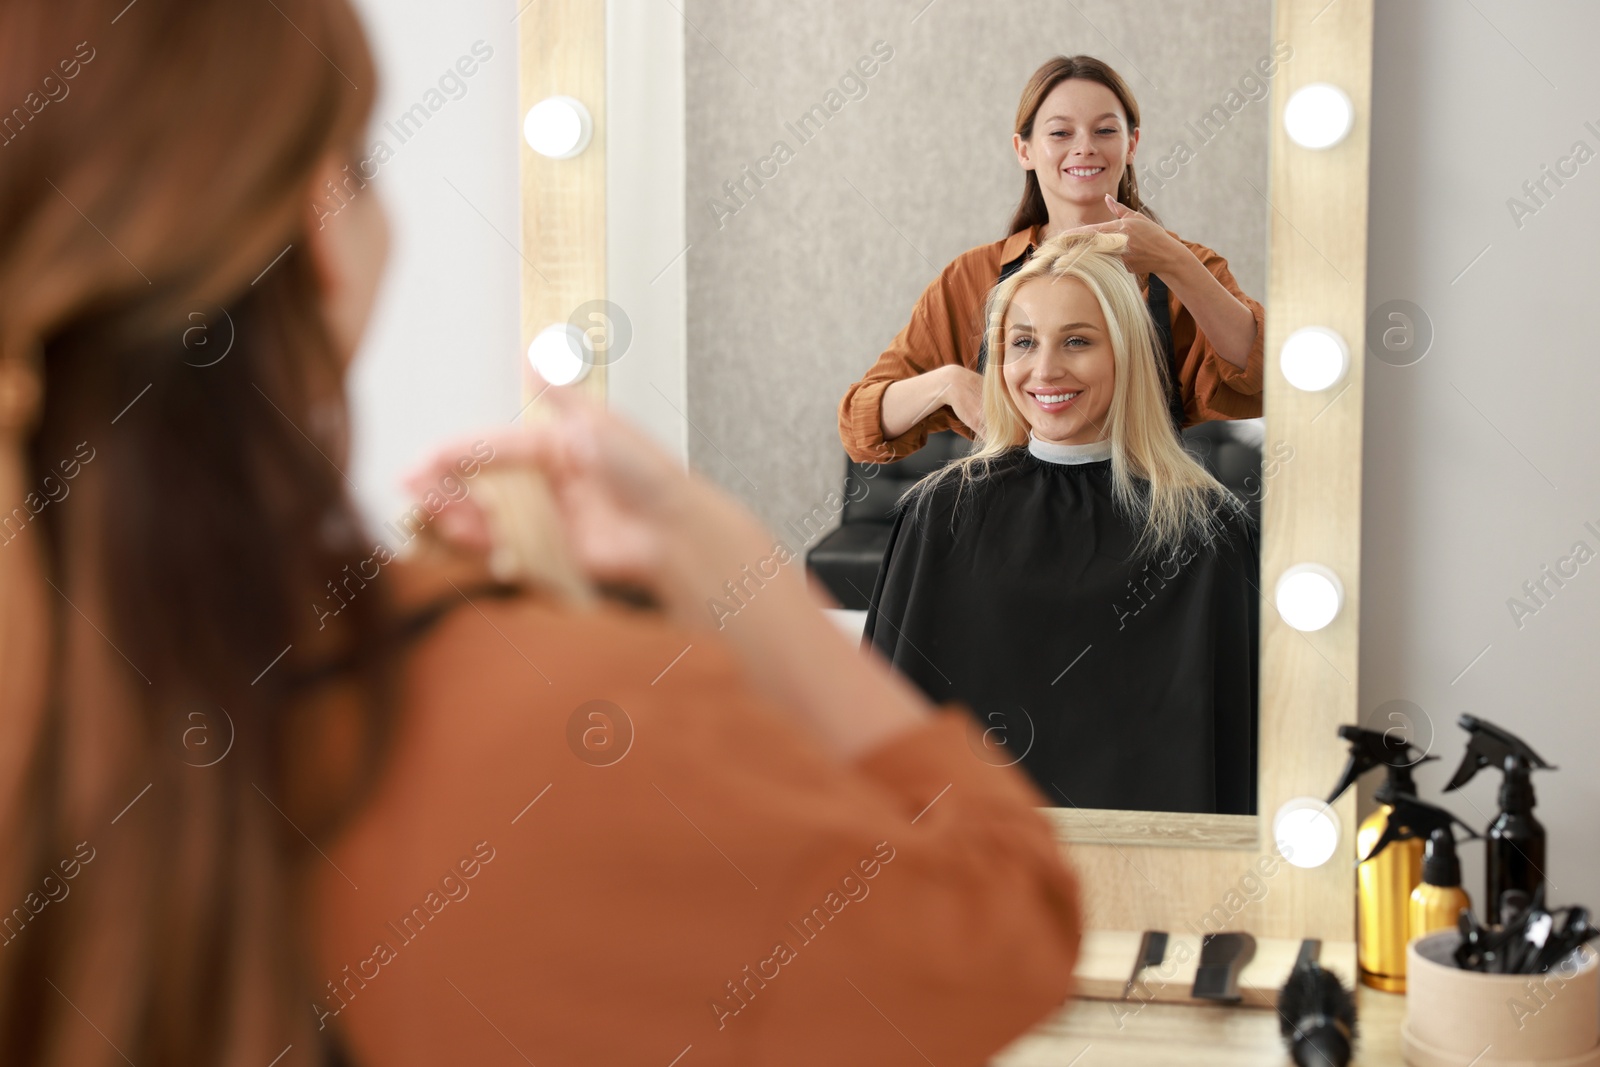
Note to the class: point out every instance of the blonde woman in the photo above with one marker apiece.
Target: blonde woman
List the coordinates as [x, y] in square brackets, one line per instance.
[1080, 582]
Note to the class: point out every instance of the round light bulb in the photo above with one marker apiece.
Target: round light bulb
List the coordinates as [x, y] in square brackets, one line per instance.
[1306, 831]
[558, 127]
[560, 354]
[1308, 596]
[1318, 115]
[1314, 358]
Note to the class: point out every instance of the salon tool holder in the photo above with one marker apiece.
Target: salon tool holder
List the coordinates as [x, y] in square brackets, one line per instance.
[1457, 1018]
[1107, 957]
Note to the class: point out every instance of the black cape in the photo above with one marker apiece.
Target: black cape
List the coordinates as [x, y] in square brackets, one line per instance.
[1115, 682]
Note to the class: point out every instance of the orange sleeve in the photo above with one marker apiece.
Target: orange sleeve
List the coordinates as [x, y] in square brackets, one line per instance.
[909, 971]
[712, 879]
[944, 329]
[1214, 387]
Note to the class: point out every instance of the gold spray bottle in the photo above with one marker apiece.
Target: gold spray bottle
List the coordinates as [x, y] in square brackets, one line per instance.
[1410, 822]
[1437, 903]
[1385, 881]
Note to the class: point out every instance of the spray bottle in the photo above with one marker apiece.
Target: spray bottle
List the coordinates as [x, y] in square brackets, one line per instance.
[1514, 855]
[1383, 886]
[1411, 822]
[1437, 903]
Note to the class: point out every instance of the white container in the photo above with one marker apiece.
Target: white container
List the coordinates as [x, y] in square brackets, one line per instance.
[1457, 1018]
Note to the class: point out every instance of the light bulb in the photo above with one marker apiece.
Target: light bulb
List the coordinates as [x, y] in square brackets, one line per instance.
[1318, 115]
[1306, 832]
[1314, 358]
[1308, 596]
[559, 354]
[558, 127]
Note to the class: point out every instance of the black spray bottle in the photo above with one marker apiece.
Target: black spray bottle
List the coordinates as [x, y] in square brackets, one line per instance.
[1514, 850]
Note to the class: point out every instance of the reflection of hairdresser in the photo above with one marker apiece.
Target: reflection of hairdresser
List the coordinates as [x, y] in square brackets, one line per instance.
[1076, 134]
[392, 851]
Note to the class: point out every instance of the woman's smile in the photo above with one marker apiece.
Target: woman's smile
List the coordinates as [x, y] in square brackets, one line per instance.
[1054, 400]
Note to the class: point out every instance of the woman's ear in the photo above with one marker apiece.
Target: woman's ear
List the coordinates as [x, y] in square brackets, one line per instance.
[347, 238]
[324, 237]
[1020, 147]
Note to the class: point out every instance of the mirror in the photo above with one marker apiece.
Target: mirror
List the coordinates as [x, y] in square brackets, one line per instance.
[837, 158]
[615, 224]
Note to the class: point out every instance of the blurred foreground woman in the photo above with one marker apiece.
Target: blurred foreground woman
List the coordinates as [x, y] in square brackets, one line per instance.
[241, 827]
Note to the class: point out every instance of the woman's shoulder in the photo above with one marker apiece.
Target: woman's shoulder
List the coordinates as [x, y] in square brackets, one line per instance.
[948, 500]
[959, 482]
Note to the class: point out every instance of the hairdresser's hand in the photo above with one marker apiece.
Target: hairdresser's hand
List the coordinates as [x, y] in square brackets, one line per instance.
[962, 390]
[1150, 249]
[630, 514]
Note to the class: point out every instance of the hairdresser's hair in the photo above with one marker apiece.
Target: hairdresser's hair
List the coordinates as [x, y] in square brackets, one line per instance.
[1031, 211]
[155, 188]
[1154, 480]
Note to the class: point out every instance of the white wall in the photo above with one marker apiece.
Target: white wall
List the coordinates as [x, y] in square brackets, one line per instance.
[443, 354]
[1480, 459]
[646, 246]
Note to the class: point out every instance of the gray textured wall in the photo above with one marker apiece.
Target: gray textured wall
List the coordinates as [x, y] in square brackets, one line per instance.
[792, 297]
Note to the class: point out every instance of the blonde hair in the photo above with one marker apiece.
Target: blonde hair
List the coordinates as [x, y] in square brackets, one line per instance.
[1154, 479]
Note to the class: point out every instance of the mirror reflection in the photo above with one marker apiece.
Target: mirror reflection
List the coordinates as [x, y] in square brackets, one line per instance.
[1047, 509]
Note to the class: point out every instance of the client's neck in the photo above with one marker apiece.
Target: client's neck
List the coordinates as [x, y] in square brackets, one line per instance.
[1052, 452]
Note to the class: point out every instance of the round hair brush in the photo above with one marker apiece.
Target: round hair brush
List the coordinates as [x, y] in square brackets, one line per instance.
[1317, 1016]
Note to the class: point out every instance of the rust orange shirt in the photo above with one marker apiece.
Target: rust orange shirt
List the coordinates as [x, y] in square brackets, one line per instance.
[946, 327]
[688, 878]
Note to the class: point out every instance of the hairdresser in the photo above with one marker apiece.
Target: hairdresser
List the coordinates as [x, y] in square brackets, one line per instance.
[390, 842]
[1077, 132]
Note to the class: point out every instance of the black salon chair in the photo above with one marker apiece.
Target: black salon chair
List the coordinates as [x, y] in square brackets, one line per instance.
[845, 562]
[1230, 452]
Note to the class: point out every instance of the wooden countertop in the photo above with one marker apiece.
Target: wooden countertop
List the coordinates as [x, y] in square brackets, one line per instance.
[1092, 1033]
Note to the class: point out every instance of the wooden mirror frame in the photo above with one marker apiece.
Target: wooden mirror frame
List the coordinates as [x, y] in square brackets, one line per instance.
[1138, 870]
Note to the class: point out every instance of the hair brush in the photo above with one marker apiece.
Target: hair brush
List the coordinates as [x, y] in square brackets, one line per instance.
[1316, 1014]
[527, 543]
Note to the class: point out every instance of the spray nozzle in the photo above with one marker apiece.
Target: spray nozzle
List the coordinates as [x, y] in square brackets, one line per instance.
[1491, 746]
[1439, 863]
[1375, 748]
[1413, 818]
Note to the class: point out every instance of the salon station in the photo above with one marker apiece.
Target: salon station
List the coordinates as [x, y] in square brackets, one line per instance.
[1044, 340]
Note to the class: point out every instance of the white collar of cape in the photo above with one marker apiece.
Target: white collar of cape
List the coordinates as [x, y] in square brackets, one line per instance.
[1093, 452]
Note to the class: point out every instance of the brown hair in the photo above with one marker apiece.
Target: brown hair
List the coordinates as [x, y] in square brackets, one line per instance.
[1031, 211]
[155, 176]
